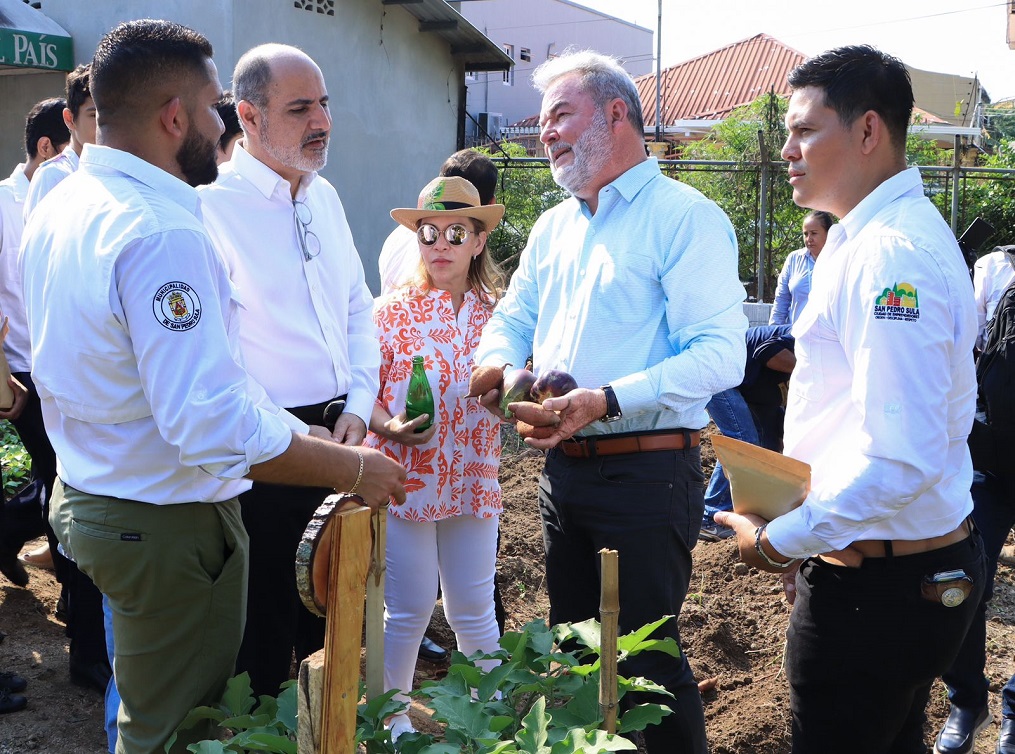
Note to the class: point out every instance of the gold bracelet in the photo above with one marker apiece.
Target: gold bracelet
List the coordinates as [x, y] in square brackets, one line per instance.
[359, 476]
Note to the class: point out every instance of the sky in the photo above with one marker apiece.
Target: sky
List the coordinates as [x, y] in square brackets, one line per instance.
[962, 37]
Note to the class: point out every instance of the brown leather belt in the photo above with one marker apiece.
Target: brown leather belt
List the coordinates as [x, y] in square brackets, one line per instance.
[587, 447]
[879, 548]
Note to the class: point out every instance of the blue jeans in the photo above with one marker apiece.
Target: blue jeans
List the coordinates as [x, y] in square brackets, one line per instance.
[732, 416]
[994, 514]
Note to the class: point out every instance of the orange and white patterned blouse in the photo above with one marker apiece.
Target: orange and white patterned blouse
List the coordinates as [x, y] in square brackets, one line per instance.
[456, 472]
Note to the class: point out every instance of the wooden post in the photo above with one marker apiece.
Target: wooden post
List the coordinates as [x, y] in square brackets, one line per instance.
[375, 607]
[350, 560]
[609, 612]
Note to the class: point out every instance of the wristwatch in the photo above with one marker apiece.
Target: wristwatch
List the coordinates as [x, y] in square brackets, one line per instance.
[613, 412]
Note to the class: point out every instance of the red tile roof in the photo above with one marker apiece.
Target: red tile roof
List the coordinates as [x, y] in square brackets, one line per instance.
[711, 86]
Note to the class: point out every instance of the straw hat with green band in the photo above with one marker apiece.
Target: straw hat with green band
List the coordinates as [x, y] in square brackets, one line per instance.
[453, 196]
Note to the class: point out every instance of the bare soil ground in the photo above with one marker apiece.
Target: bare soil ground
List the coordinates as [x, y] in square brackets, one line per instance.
[733, 627]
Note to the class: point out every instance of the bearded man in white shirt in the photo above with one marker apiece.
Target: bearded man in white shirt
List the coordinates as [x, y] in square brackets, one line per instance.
[305, 327]
[158, 426]
[885, 568]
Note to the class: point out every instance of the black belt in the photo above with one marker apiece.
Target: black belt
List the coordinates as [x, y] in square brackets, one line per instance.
[321, 414]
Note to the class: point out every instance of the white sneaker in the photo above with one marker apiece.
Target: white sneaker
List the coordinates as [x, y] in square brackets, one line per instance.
[399, 725]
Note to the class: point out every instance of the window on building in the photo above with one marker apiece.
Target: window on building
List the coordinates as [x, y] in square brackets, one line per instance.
[525, 54]
[509, 74]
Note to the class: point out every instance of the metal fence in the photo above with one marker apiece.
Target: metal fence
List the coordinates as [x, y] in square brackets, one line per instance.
[751, 194]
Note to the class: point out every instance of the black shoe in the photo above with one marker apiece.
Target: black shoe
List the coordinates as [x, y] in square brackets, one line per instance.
[12, 568]
[95, 675]
[12, 682]
[958, 736]
[432, 652]
[11, 702]
[1006, 741]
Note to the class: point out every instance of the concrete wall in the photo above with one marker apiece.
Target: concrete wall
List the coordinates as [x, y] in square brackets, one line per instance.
[18, 92]
[394, 91]
[545, 27]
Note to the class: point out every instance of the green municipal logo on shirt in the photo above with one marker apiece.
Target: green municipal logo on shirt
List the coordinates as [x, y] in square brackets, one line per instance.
[900, 302]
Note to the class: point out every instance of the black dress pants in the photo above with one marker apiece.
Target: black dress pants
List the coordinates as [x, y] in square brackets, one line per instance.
[647, 506]
[278, 624]
[864, 647]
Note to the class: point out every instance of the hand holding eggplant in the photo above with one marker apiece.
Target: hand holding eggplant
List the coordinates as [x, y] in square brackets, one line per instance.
[576, 410]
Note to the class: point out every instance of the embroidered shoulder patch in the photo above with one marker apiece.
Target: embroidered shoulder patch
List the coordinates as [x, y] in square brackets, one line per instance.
[176, 306]
[898, 302]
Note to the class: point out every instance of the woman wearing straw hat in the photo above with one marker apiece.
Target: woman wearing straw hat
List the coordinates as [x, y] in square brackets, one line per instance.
[446, 531]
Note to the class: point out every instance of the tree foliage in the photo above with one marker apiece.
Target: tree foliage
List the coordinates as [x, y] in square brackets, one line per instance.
[737, 188]
[526, 191]
[734, 181]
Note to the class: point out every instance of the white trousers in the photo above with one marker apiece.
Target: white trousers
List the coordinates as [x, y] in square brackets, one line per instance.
[462, 553]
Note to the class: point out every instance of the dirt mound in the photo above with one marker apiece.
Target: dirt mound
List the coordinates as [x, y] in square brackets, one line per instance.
[733, 628]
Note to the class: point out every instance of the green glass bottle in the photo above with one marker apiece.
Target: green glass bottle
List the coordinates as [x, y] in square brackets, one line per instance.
[420, 397]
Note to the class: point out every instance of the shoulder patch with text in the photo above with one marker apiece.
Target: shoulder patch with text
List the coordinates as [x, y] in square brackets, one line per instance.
[898, 302]
[176, 306]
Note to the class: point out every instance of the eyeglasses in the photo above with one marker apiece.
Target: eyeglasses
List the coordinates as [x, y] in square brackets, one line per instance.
[455, 234]
[310, 244]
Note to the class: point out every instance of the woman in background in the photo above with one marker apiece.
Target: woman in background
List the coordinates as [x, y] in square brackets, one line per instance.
[795, 279]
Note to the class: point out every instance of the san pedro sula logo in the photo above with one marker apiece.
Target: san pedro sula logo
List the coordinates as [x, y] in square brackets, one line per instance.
[898, 302]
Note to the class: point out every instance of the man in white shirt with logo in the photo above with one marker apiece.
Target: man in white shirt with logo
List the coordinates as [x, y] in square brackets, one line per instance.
[880, 405]
[157, 425]
[305, 326]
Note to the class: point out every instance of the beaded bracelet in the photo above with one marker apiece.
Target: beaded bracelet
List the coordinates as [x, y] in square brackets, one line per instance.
[764, 555]
[359, 476]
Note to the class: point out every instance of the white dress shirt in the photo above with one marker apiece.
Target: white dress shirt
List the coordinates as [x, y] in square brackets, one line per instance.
[17, 348]
[306, 325]
[399, 259]
[992, 274]
[134, 340]
[48, 175]
[643, 295]
[883, 394]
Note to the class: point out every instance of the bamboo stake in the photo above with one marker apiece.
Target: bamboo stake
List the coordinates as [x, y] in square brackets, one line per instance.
[350, 561]
[375, 606]
[609, 612]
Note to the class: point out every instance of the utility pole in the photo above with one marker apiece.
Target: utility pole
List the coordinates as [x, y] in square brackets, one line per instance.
[659, 76]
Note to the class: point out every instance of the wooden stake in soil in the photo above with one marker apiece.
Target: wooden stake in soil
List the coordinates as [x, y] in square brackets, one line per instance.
[609, 614]
[350, 561]
[375, 607]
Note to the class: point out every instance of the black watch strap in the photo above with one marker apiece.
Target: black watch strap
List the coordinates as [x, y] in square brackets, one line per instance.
[612, 406]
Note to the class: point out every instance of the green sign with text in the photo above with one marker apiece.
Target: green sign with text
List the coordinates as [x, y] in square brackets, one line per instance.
[26, 49]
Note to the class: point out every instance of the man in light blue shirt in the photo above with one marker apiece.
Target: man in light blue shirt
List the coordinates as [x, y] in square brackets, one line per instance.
[630, 285]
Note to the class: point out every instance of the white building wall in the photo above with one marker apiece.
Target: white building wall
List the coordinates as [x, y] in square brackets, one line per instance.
[545, 28]
[394, 91]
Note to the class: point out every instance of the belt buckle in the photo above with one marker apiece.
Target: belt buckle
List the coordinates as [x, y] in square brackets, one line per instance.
[331, 413]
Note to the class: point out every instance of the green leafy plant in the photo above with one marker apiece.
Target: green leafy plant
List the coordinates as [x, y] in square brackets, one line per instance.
[541, 698]
[267, 724]
[17, 464]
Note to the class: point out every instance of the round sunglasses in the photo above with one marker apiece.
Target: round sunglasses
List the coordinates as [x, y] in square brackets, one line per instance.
[455, 235]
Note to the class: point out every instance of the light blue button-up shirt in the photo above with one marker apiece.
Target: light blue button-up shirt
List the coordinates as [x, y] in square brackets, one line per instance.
[643, 295]
[793, 288]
